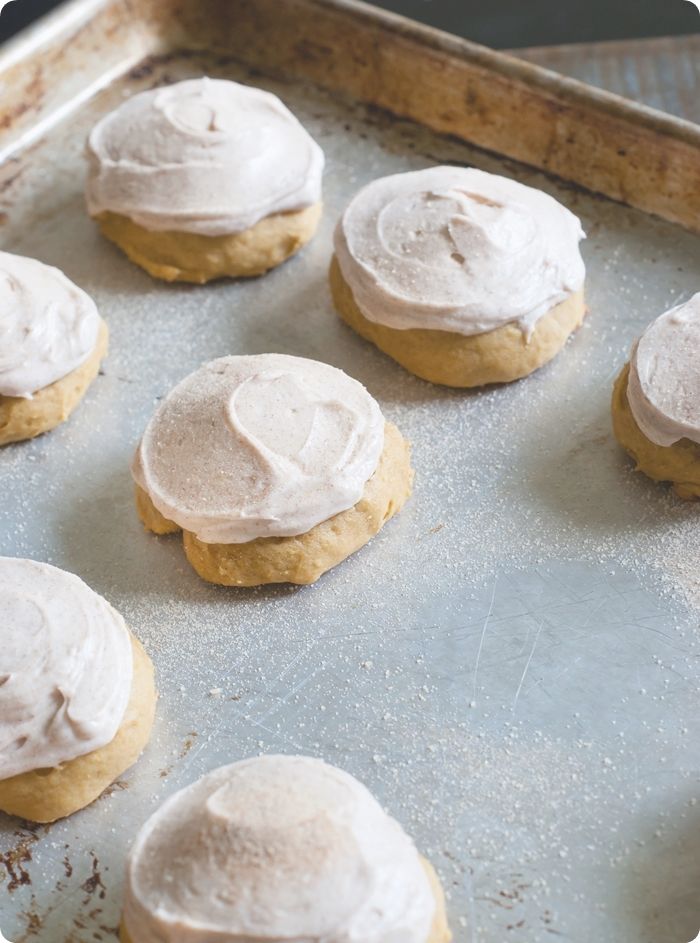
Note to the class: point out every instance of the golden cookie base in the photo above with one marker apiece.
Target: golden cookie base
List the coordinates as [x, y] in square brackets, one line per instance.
[452, 359]
[44, 795]
[188, 257]
[678, 463]
[22, 418]
[304, 558]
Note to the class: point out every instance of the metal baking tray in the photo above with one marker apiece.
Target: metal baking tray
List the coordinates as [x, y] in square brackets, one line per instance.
[512, 665]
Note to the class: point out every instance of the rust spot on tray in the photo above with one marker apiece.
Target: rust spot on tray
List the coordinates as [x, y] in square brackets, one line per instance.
[10, 179]
[34, 923]
[13, 114]
[31, 98]
[15, 860]
[308, 49]
[89, 913]
[188, 744]
[151, 64]
[141, 71]
[118, 785]
[511, 898]
[81, 923]
[112, 931]
[94, 883]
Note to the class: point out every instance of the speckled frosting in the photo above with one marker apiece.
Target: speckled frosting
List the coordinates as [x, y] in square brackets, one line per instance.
[455, 249]
[259, 446]
[66, 667]
[276, 849]
[663, 389]
[48, 326]
[204, 156]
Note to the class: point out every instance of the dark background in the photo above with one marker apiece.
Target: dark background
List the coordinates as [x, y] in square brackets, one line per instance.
[499, 23]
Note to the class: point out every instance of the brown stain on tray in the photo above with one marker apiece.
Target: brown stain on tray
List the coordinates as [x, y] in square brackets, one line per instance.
[15, 860]
[119, 785]
[30, 99]
[187, 745]
[94, 884]
[89, 910]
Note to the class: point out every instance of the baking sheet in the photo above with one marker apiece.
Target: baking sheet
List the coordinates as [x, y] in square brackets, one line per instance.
[511, 665]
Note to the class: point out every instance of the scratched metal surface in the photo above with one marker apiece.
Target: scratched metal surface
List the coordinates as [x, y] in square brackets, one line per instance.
[663, 73]
[512, 665]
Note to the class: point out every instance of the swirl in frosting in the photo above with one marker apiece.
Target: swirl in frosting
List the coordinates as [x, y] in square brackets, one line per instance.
[663, 390]
[459, 250]
[66, 667]
[48, 326]
[259, 446]
[275, 849]
[204, 156]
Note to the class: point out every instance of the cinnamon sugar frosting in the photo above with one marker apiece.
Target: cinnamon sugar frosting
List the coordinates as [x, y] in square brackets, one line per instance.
[663, 389]
[66, 667]
[455, 249]
[204, 156]
[276, 849]
[259, 446]
[48, 325]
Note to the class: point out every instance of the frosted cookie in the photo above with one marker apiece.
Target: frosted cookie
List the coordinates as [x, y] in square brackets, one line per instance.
[275, 469]
[76, 692]
[275, 849]
[463, 277]
[204, 179]
[656, 400]
[52, 341]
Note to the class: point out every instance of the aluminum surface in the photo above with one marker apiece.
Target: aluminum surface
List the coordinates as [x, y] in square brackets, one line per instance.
[511, 666]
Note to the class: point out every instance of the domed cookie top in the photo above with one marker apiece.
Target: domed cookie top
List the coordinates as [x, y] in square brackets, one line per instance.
[259, 446]
[274, 849]
[66, 667]
[204, 156]
[454, 249]
[48, 326]
[663, 390]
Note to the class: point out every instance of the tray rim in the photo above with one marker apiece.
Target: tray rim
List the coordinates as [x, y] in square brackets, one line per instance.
[660, 177]
[508, 63]
[76, 12]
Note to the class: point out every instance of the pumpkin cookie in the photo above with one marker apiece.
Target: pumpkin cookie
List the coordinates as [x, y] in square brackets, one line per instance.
[52, 341]
[204, 179]
[656, 400]
[77, 696]
[275, 468]
[274, 849]
[463, 277]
